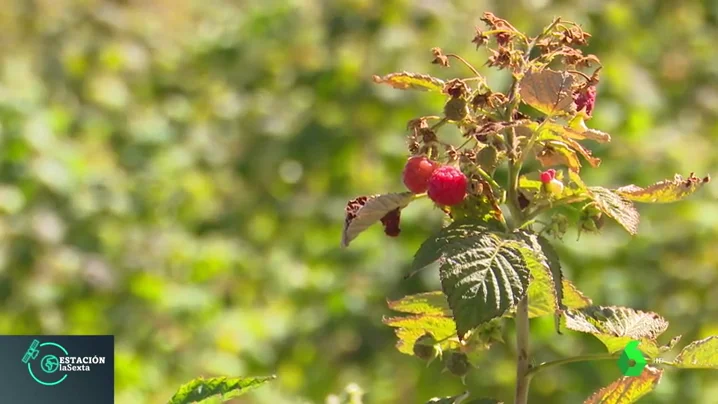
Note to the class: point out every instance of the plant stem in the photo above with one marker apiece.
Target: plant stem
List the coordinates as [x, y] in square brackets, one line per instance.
[522, 346]
[582, 358]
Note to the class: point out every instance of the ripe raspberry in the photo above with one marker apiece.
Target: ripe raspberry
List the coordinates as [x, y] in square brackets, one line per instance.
[416, 173]
[447, 186]
[585, 99]
[548, 175]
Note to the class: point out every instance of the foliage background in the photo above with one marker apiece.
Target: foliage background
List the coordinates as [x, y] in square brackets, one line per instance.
[174, 172]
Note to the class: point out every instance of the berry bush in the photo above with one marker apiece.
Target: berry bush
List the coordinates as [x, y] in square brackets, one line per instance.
[511, 187]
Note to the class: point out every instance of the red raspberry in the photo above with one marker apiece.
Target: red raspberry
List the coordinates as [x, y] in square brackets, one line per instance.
[447, 186]
[548, 175]
[416, 174]
[585, 99]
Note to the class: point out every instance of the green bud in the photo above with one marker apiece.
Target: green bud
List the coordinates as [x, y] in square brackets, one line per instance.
[425, 347]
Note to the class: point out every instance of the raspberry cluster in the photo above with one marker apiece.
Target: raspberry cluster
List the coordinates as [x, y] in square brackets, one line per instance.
[445, 185]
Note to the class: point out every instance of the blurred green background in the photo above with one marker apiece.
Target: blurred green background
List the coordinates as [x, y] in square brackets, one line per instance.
[174, 172]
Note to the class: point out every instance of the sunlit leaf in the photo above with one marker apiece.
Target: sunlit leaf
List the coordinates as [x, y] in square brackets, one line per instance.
[627, 390]
[666, 191]
[225, 388]
[616, 207]
[617, 326]
[573, 298]
[701, 354]
[422, 303]
[545, 288]
[548, 91]
[414, 81]
[364, 211]
[411, 328]
[576, 133]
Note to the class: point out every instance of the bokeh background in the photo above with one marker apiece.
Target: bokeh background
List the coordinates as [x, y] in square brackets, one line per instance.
[174, 172]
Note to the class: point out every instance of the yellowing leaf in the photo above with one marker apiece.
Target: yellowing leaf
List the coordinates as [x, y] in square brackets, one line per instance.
[548, 91]
[573, 298]
[432, 303]
[557, 153]
[577, 134]
[414, 81]
[616, 207]
[666, 191]
[701, 354]
[364, 211]
[627, 390]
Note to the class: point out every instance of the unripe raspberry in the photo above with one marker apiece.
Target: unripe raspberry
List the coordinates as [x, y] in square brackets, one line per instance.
[548, 176]
[585, 99]
[425, 347]
[554, 187]
[416, 173]
[458, 364]
[447, 186]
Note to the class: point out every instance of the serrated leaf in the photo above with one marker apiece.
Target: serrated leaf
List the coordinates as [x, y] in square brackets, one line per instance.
[226, 388]
[484, 276]
[701, 354]
[548, 91]
[430, 250]
[617, 326]
[545, 289]
[364, 211]
[665, 191]
[573, 298]
[411, 328]
[432, 303]
[627, 390]
[616, 207]
[414, 81]
[449, 400]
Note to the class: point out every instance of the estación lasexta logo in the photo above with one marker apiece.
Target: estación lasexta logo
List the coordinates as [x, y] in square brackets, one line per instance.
[45, 371]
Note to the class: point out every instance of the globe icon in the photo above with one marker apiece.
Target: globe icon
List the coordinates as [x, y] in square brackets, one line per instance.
[50, 363]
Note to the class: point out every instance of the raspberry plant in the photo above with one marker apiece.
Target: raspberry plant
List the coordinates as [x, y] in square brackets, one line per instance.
[496, 262]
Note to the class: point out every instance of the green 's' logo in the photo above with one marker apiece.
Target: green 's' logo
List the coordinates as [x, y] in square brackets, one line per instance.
[45, 371]
[631, 362]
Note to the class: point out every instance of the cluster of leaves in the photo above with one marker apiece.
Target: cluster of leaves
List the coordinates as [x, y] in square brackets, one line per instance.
[493, 254]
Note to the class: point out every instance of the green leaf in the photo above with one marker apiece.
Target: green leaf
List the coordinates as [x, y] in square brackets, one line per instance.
[364, 211]
[616, 207]
[617, 326]
[627, 390]
[200, 389]
[433, 303]
[413, 81]
[701, 354]
[449, 400]
[666, 191]
[411, 328]
[431, 249]
[485, 275]
[548, 91]
[545, 289]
